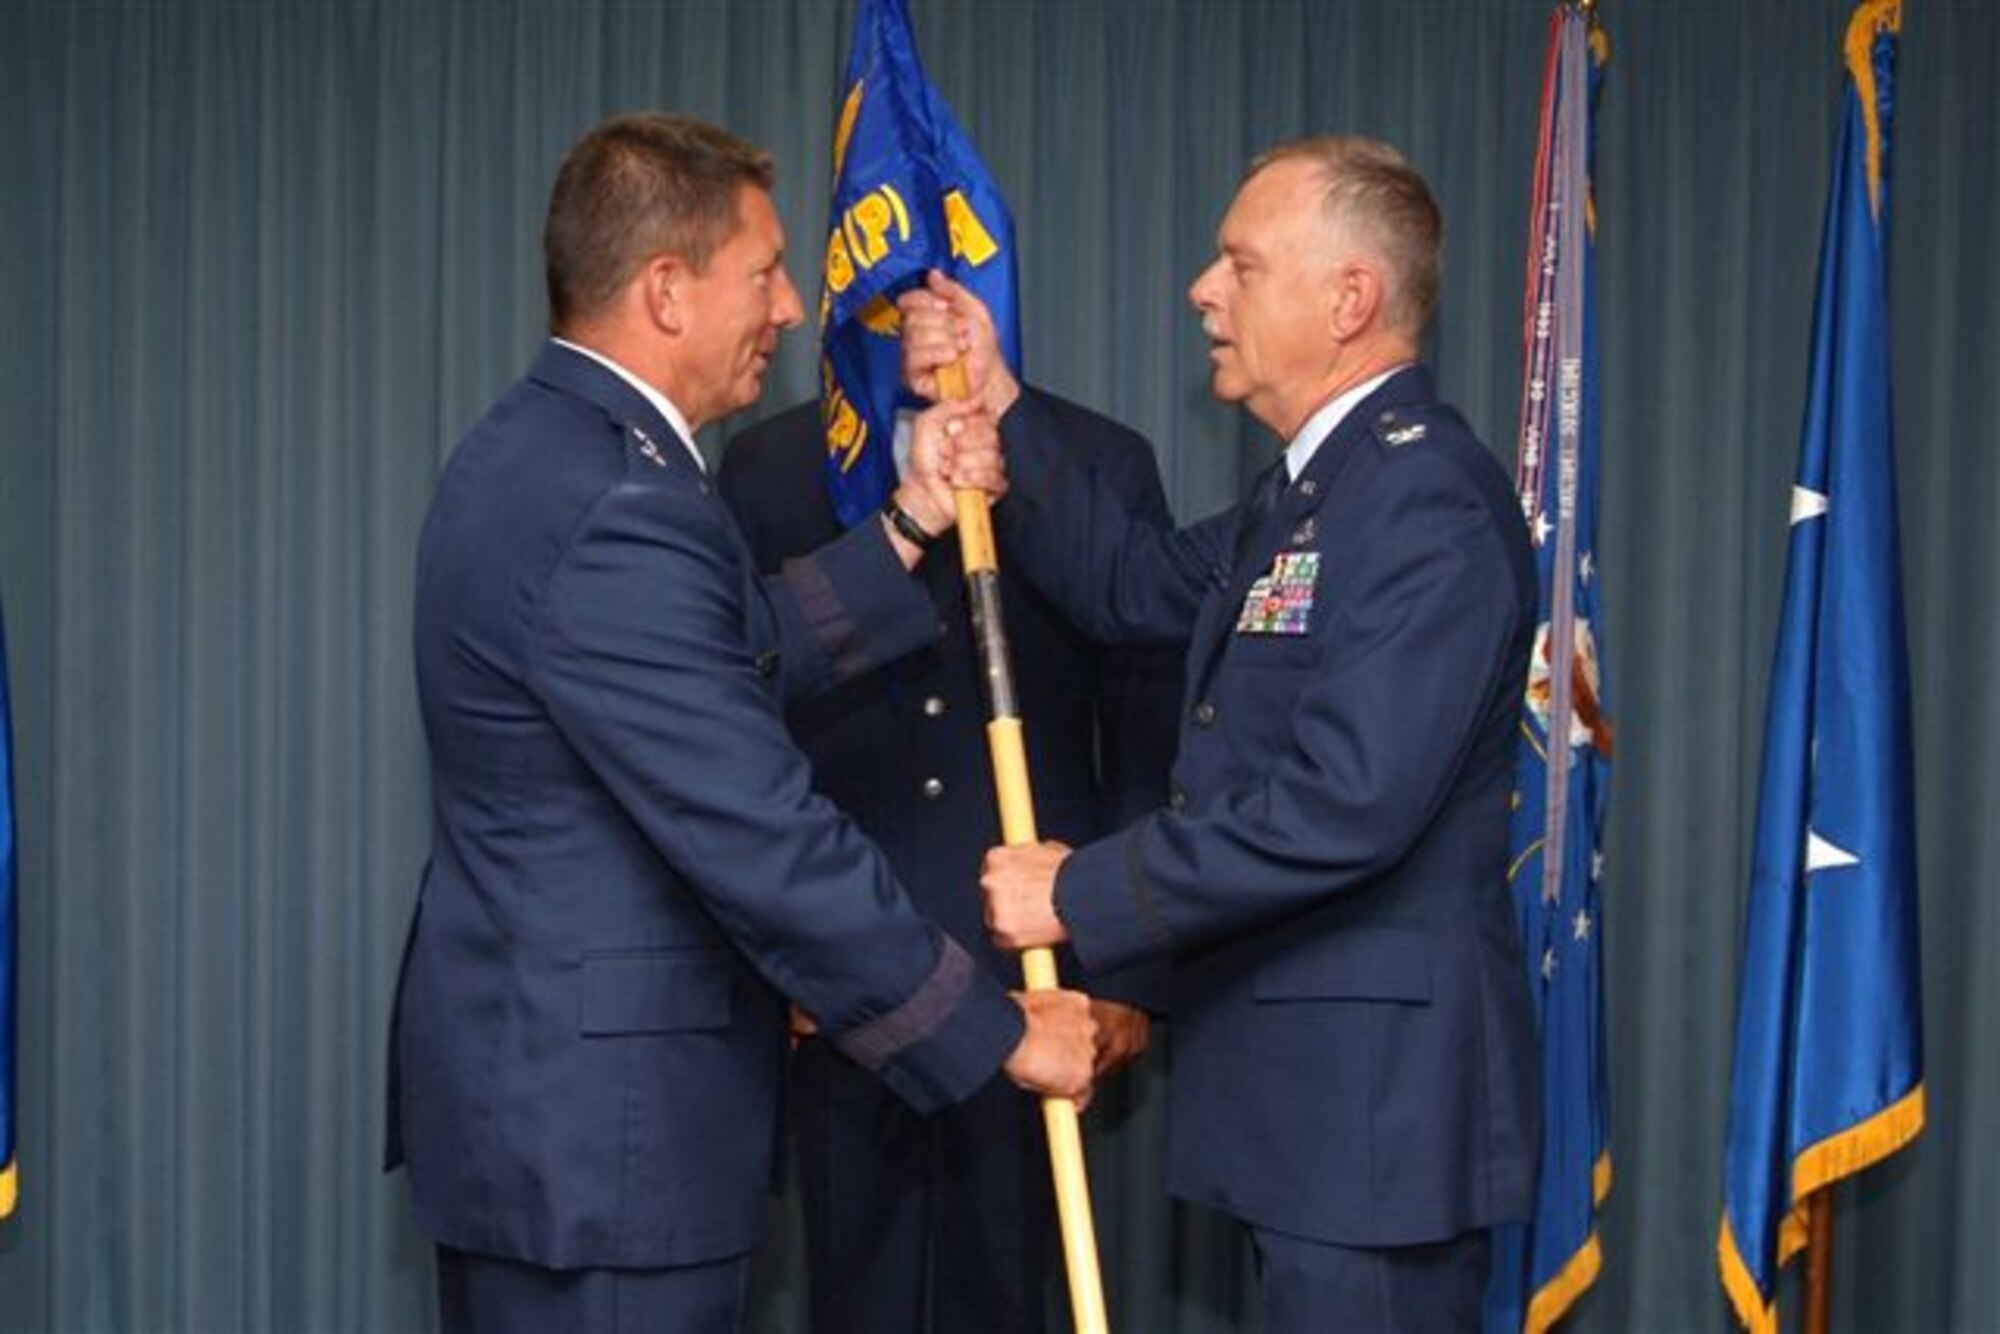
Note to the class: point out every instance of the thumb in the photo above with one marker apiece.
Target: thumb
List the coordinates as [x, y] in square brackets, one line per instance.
[947, 289]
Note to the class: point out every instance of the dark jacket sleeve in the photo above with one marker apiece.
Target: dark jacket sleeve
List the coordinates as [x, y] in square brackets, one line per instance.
[844, 610]
[1120, 578]
[648, 674]
[1139, 690]
[1136, 691]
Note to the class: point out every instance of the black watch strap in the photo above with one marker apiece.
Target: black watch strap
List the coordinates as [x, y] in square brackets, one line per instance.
[912, 531]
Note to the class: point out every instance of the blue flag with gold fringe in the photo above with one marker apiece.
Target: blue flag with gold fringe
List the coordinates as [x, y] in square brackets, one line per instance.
[909, 194]
[1828, 1074]
[10, 957]
[1563, 773]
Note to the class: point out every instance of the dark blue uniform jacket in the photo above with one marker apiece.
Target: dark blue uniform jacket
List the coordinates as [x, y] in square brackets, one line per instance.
[1353, 1046]
[629, 868]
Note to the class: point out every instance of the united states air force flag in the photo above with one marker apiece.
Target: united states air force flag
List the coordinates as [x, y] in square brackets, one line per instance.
[1828, 1074]
[909, 194]
[1564, 769]
[9, 952]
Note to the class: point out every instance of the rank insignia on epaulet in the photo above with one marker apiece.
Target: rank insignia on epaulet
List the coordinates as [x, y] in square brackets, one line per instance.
[1396, 435]
[647, 448]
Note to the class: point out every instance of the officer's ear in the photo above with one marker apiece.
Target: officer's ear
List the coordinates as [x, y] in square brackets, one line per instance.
[1354, 298]
[663, 283]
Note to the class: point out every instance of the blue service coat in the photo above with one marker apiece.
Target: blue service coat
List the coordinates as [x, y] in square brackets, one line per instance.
[1353, 1045]
[629, 869]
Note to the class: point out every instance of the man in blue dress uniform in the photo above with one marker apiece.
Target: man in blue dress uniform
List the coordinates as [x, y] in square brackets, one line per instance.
[1353, 1047]
[630, 874]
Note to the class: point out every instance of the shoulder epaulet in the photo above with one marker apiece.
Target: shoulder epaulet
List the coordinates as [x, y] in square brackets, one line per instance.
[642, 452]
[1397, 428]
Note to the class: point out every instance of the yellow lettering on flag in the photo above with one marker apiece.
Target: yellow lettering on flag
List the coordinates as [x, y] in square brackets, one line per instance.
[880, 316]
[867, 231]
[970, 240]
[839, 264]
[846, 431]
[872, 217]
[850, 112]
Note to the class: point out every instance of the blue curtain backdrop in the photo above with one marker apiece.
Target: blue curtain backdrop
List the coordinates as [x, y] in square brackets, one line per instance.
[261, 262]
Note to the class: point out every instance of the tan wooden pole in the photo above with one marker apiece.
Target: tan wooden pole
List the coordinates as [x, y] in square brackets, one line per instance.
[1017, 826]
[1819, 1261]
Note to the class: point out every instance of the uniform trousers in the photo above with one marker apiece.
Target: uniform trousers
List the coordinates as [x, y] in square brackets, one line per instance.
[485, 1294]
[920, 1225]
[1311, 1287]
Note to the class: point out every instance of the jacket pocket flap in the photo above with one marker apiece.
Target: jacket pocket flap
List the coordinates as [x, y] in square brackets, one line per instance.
[1386, 963]
[654, 993]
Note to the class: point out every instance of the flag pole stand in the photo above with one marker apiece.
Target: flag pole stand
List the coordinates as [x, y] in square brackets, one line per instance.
[1819, 1260]
[1017, 827]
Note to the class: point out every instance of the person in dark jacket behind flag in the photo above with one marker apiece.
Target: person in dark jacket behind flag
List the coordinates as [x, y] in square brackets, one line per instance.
[946, 1224]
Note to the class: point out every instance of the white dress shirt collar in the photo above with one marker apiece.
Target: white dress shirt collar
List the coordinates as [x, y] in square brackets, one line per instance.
[1302, 447]
[660, 401]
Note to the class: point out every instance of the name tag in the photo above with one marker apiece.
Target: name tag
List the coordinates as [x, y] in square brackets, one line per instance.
[1281, 601]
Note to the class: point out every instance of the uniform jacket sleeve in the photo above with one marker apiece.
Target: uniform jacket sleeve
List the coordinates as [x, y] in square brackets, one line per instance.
[647, 673]
[1137, 695]
[1116, 572]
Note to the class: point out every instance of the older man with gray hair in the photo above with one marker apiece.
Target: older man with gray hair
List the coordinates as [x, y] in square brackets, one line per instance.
[1352, 1042]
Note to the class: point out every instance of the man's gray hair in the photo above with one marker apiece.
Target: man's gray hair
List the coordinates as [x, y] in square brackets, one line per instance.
[1375, 197]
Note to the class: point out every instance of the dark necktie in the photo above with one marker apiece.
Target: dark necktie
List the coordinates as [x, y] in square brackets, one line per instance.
[1262, 504]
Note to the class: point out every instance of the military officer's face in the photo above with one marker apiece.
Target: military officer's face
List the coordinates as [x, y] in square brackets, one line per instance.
[734, 310]
[1264, 302]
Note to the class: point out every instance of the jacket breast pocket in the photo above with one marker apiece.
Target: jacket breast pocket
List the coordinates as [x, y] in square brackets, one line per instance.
[659, 991]
[1372, 963]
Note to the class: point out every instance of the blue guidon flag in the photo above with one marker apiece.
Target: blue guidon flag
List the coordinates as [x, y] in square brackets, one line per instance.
[1828, 1074]
[909, 194]
[1563, 772]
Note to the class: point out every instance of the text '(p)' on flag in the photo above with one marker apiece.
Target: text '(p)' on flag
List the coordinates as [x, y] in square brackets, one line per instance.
[909, 194]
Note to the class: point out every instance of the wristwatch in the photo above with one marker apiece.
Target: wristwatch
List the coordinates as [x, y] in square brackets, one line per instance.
[912, 531]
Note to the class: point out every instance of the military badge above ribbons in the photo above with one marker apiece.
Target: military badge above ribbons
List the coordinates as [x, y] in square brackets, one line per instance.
[909, 194]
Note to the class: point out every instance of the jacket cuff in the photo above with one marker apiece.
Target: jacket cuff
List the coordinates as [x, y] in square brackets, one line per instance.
[1103, 897]
[1143, 986]
[1036, 460]
[944, 1042]
[863, 608]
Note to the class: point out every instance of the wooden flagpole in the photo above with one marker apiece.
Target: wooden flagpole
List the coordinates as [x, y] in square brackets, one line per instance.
[1819, 1260]
[1017, 827]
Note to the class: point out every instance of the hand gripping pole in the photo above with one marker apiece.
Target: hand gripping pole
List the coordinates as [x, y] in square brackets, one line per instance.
[1017, 827]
